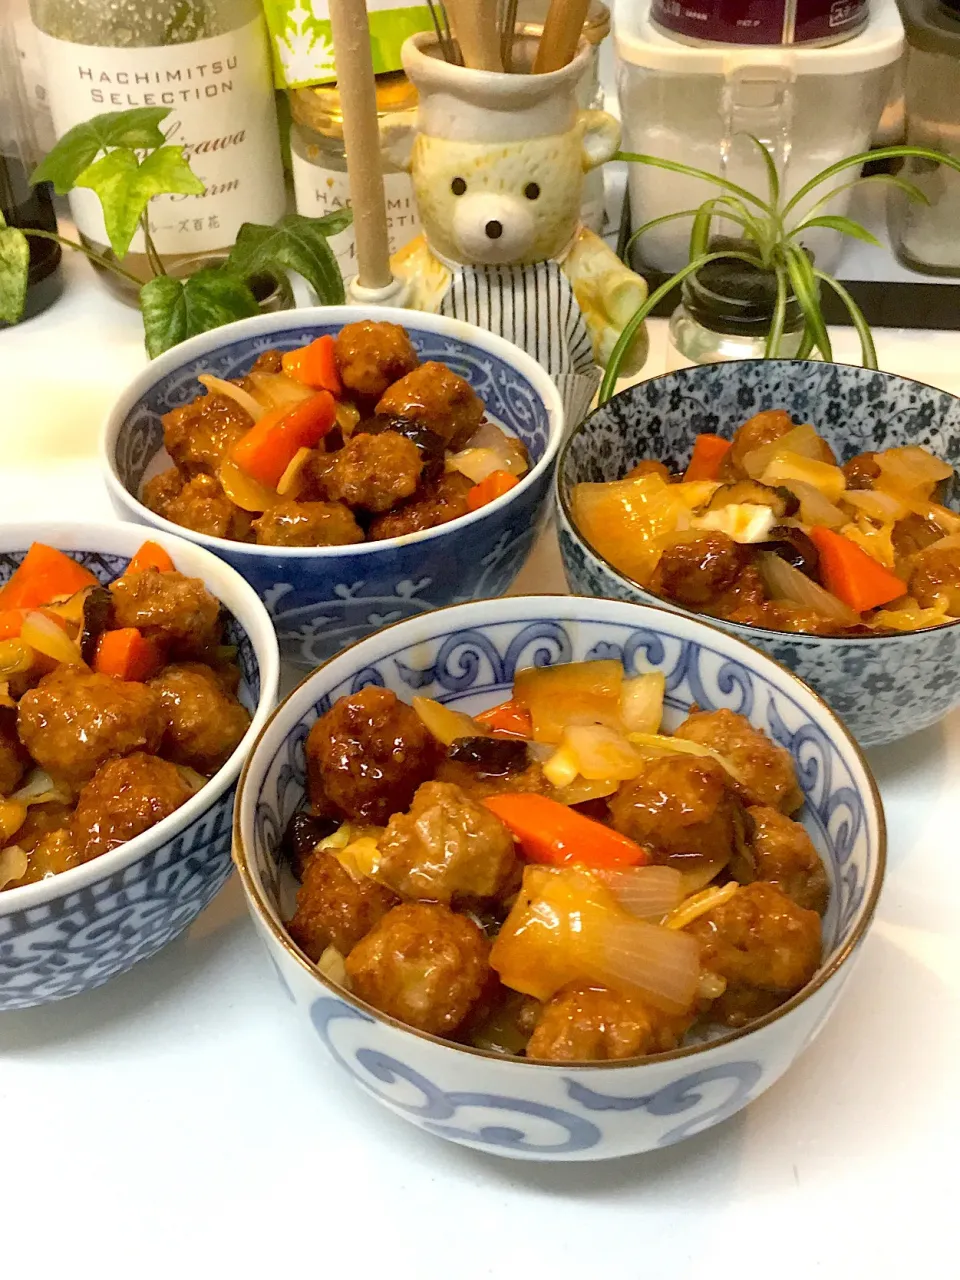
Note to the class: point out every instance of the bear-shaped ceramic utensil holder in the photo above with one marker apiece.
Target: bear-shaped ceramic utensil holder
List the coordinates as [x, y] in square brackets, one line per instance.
[498, 164]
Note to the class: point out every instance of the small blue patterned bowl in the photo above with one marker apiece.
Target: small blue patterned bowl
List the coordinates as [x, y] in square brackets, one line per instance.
[322, 598]
[884, 687]
[467, 657]
[75, 931]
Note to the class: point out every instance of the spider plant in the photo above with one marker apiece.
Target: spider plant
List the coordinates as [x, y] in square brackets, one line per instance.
[772, 231]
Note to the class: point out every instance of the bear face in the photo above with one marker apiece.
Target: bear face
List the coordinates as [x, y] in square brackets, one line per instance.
[487, 203]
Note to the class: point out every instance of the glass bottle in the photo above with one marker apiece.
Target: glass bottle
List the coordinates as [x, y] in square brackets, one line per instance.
[207, 60]
[725, 313]
[319, 165]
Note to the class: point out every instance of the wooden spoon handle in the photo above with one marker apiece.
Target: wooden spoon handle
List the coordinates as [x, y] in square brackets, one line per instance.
[474, 24]
[562, 30]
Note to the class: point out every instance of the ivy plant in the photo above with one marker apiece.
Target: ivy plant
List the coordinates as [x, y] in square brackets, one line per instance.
[125, 159]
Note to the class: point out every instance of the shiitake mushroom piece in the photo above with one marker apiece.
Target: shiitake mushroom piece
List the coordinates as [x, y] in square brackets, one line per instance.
[97, 616]
[491, 757]
[304, 832]
[781, 501]
[432, 447]
[795, 547]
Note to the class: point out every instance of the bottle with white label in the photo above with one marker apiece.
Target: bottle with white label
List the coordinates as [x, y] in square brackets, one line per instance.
[207, 60]
[319, 163]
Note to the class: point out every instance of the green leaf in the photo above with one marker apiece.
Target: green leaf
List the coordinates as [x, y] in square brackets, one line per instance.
[174, 310]
[138, 129]
[891, 179]
[855, 162]
[805, 349]
[805, 290]
[779, 318]
[773, 178]
[14, 269]
[700, 231]
[846, 227]
[297, 243]
[868, 351]
[126, 185]
[657, 222]
[675, 167]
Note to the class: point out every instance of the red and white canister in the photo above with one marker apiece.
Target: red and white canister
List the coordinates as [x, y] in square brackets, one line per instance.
[770, 22]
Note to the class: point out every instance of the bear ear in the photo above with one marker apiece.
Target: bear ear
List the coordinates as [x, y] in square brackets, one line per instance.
[601, 137]
[397, 132]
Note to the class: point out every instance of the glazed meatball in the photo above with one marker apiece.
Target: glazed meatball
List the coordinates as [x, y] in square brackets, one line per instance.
[697, 571]
[41, 821]
[766, 771]
[204, 724]
[422, 964]
[75, 720]
[434, 504]
[53, 853]
[203, 506]
[431, 448]
[783, 854]
[373, 353]
[679, 805]
[448, 846]
[14, 761]
[160, 491]
[123, 799]
[761, 942]
[440, 399]
[367, 755]
[374, 472]
[583, 1023]
[744, 601]
[267, 362]
[308, 524]
[914, 533]
[861, 471]
[333, 909]
[649, 468]
[762, 429]
[198, 435]
[168, 607]
[936, 572]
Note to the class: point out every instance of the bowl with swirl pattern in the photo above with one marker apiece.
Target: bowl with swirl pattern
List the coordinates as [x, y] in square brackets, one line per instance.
[322, 598]
[884, 686]
[466, 657]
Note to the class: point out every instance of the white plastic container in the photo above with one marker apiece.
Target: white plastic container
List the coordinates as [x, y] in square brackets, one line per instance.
[810, 106]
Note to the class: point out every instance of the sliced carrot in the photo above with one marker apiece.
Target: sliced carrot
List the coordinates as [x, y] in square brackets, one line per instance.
[271, 444]
[495, 486]
[315, 365]
[43, 574]
[508, 720]
[851, 574]
[708, 452]
[550, 832]
[127, 654]
[150, 556]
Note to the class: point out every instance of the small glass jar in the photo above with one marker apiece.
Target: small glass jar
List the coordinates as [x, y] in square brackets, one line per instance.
[319, 163]
[725, 313]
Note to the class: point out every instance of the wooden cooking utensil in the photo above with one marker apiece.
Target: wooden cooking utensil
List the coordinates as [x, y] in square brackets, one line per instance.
[475, 26]
[562, 30]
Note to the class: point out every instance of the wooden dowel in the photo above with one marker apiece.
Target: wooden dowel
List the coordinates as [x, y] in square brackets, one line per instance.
[361, 140]
[474, 24]
[562, 30]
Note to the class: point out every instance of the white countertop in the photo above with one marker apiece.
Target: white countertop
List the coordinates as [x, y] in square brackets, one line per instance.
[179, 1121]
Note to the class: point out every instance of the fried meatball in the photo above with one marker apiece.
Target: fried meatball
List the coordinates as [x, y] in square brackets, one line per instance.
[374, 472]
[861, 471]
[14, 761]
[308, 524]
[448, 846]
[585, 1023]
[123, 799]
[373, 353]
[936, 572]
[758, 940]
[333, 909]
[200, 504]
[198, 435]
[52, 854]
[204, 724]
[368, 754]
[160, 491]
[649, 468]
[267, 362]
[766, 770]
[783, 854]
[431, 448]
[422, 964]
[168, 607]
[744, 601]
[439, 398]
[41, 821]
[698, 570]
[432, 505]
[75, 720]
[679, 805]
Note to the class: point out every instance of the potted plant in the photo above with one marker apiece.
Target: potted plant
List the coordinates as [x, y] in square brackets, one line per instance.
[770, 247]
[124, 158]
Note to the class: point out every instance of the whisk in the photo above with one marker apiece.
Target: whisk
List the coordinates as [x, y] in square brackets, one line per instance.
[508, 27]
[441, 24]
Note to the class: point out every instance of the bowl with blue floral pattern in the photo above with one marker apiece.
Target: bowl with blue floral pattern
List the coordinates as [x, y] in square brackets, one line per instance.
[71, 932]
[885, 686]
[322, 598]
[466, 657]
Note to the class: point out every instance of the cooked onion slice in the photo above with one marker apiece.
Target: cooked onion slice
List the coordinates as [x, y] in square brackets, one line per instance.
[641, 702]
[15, 658]
[44, 636]
[230, 390]
[13, 865]
[699, 904]
[289, 484]
[646, 892]
[663, 964]
[788, 584]
[243, 491]
[40, 788]
[662, 744]
[885, 507]
[277, 391]
[444, 723]
[911, 470]
[803, 441]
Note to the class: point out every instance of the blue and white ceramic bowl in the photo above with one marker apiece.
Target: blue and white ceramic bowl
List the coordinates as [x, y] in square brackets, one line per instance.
[322, 598]
[467, 657]
[76, 930]
[884, 687]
